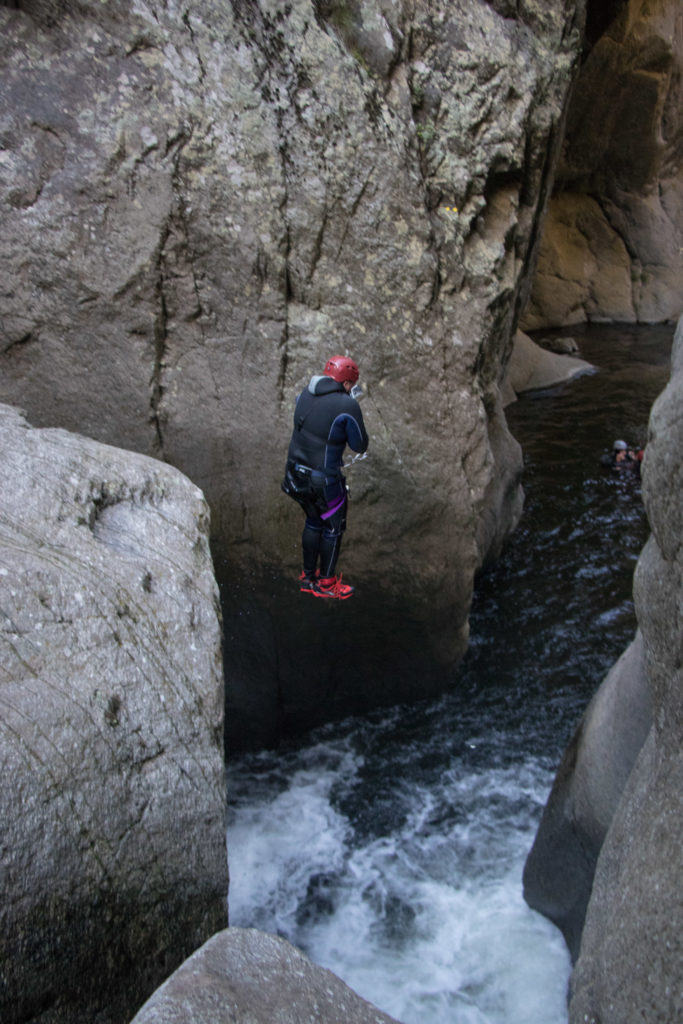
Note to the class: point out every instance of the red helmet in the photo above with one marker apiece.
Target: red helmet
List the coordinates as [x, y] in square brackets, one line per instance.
[341, 368]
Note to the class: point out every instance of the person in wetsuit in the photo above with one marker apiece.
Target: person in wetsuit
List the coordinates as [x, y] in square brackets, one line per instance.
[623, 457]
[326, 419]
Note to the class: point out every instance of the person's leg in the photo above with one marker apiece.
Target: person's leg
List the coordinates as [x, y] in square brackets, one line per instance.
[310, 545]
[330, 585]
[330, 546]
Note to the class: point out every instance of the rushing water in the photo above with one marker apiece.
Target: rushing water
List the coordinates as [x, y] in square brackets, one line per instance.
[390, 848]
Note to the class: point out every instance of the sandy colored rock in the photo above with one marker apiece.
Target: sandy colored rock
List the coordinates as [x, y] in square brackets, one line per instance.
[611, 246]
[584, 268]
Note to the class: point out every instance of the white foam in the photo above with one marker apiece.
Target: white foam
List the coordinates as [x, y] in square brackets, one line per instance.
[428, 922]
[275, 847]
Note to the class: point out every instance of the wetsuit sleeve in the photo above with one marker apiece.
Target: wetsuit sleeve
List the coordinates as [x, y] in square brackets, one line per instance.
[356, 434]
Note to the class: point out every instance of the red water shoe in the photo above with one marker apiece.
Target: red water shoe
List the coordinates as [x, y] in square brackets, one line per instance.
[331, 586]
[308, 584]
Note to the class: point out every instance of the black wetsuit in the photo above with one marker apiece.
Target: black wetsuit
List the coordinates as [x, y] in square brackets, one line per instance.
[326, 419]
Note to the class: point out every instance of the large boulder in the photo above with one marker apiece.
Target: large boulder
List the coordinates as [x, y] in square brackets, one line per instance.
[629, 968]
[112, 803]
[199, 205]
[531, 366]
[249, 976]
[611, 246]
[559, 871]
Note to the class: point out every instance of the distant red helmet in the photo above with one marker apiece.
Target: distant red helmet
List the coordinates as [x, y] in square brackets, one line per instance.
[341, 368]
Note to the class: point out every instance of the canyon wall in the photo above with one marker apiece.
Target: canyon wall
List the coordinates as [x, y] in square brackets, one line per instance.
[607, 861]
[112, 862]
[200, 203]
[629, 966]
[611, 247]
[560, 868]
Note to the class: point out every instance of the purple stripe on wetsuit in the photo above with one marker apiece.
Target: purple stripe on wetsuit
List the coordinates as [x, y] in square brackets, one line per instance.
[334, 508]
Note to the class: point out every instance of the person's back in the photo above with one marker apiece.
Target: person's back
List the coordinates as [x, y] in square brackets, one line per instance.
[326, 419]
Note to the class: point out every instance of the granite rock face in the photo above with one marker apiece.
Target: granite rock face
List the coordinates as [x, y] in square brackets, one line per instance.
[629, 968]
[611, 247]
[559, 871]
[201, 203]
[613, 826]
[113, 861]
[245, 975]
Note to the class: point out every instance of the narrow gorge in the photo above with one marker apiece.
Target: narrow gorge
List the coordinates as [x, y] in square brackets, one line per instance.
[199, 204]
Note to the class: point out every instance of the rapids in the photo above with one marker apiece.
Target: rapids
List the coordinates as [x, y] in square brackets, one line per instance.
[390, 847]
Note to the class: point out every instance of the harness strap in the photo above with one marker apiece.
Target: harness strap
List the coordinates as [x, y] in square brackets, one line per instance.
[299, 467]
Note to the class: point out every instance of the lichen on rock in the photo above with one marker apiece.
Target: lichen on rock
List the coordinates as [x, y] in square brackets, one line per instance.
[212, 201]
